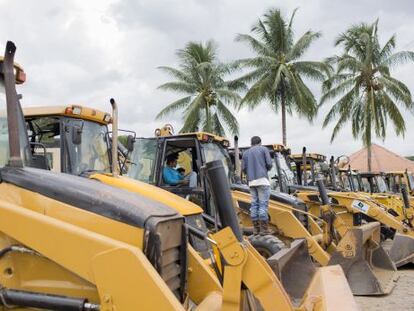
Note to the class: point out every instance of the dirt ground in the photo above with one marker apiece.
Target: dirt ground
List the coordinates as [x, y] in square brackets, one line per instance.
[401, 298]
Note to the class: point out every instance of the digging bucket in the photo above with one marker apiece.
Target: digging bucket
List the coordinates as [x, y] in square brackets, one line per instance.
[294, 268]
[329, 290]
[367, 266]
[402, 250]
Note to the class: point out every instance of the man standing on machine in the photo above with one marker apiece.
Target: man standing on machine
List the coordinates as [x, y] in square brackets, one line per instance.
[256, 163]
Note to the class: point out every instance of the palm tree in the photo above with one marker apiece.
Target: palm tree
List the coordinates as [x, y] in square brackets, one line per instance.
[365, 92]
[276, 71]
[200, 77]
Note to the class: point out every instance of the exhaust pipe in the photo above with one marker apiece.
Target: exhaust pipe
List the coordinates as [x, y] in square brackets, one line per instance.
[12, 107]
[237, 164]
[332, 171]
[404, 194]
[220, 190]
[114, 149]
[304, 172]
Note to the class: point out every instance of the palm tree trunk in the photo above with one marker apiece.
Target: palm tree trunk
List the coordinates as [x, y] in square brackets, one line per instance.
[208, 121]
[369, 157]
[368, 141]
[283, 109]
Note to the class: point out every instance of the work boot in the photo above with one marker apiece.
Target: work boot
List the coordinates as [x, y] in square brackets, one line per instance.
[264, 228]
[256, 227]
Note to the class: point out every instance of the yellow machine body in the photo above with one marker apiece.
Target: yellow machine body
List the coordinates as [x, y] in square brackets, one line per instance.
[329, 245]
[356, 208]
[73, 243]
[399, 179]
[252, 270]
[287, 223]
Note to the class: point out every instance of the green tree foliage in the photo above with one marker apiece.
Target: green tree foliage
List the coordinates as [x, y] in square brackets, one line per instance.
[276, 72]
[207, 96]
[362, 87]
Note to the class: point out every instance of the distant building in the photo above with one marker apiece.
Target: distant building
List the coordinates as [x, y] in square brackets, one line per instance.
[383, 160]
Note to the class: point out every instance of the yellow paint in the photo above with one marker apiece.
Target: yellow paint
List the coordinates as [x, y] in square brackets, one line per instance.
[87, 113]
[182, 206]
[131, 282]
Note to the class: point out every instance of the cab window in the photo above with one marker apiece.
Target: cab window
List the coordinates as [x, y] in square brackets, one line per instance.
[366, 187]
[91, 153]
[44, 136]
[143, 160]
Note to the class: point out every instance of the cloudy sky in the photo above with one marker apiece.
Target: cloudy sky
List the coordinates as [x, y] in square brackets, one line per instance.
[88, 51]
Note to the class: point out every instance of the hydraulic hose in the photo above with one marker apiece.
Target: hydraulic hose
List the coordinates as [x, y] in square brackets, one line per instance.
[10, 297]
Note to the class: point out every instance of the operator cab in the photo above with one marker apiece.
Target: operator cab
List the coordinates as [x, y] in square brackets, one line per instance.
[70, 139]
[315, 165]
[149, 159]
[349, 180]
[397, 180]
[373, 182]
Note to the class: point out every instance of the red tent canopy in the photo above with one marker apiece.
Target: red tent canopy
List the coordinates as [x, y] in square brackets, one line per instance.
[383, 160]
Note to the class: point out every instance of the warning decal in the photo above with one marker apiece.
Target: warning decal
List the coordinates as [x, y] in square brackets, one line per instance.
[360, 206]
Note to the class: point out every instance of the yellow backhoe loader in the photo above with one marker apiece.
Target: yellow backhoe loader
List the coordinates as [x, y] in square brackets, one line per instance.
[69, 243]
[398, 179]
[400, 205]
[285, 212]
[376, 185]
[354, 208]
[368, 267]
[75, 140]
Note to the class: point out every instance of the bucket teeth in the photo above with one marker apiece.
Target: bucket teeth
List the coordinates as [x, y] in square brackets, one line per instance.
[402, 250]
[294, 267]
[367, 266]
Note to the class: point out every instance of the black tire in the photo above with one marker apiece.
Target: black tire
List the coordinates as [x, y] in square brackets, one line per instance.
[266, 245]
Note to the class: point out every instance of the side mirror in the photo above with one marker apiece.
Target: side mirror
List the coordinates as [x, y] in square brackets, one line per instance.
[76, 135]
[130, 143]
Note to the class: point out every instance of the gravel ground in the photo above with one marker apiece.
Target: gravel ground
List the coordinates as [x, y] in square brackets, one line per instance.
[401, 298]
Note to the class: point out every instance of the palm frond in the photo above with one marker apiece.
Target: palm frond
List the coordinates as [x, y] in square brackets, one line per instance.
[300, 47]
[179, 87]
[254, 44]
[316, 71]
[177, 74]
[397, 89]
[399, 58]
[388, 47]
[174, 106]
[342, 87]
[192, 114]
[229, 119]
[394, 113]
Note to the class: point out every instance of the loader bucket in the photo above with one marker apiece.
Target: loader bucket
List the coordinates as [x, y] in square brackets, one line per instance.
[402, 250]
[294, 268]
[329, 290]
[367, 266]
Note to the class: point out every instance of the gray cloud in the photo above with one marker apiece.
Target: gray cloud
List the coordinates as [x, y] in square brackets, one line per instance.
[86, 52]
